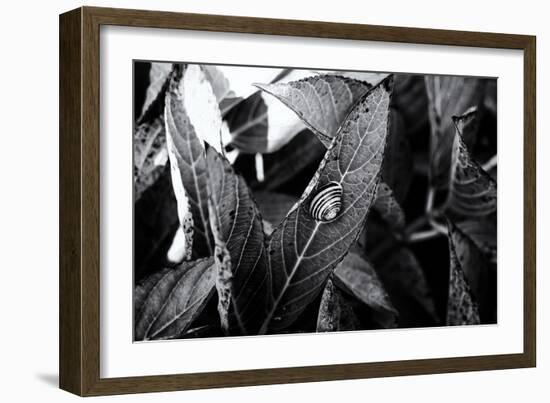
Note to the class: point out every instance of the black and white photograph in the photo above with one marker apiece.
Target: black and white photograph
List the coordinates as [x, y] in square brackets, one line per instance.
[276, 200]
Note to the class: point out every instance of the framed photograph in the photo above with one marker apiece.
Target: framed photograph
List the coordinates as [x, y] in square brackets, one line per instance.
[249, 201]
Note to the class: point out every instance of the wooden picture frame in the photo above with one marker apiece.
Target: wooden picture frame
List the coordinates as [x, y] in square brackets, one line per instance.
[79, 200]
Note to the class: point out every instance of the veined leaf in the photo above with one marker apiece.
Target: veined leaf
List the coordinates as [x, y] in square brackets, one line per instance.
[221, 86]
[243, 277]
[388, 208]
[168, 302]
[158, 83]
[462, 309]
[322, 102]
[149, 155]
[188, 162]
[335, 314]
[483, 233]
[478, 272]
[355, 275]
[448, 96]
[472, 191]
[368, 77]
[219, 83]
[261, 124]
[303, 251]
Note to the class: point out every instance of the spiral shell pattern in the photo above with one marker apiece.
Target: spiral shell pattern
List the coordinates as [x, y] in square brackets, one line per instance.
[327, 202]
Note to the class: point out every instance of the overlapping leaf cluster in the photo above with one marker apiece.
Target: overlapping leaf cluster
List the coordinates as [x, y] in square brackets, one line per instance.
[223, 178]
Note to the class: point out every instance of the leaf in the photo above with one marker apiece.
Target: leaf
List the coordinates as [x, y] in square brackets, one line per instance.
[448, 96]
[219, 83]
[461, 306]
[388, 208]
[188, 162]
[302, 251]
[322, 102]
[261, 123]
[274, 206]
[411, 101]
[358, 277]
[155, 222]
[243, 277]
[467, 125]
[248, 124]
[472, 191]
[201, 106]
[397, 168]
[240, 78]
[169, 302]
[478, 272]
[335, 314]
[154, 97]
[483, 233]
[406, 283]
[289, 162]
[368, 77]
[149, 155]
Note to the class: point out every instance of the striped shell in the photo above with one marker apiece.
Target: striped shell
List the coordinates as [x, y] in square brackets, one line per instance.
[327, 202]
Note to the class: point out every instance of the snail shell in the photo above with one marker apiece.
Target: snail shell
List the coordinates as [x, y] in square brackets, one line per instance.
[327, 202]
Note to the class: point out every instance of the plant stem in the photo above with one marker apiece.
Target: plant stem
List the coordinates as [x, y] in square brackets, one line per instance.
[423, 235]
[490, 164]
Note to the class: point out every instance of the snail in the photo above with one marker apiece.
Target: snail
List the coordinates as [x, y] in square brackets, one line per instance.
[327, 202]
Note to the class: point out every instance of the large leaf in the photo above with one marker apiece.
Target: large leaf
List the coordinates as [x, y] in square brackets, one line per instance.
[462, 309]
[303, 251]
[359, 278]
[322, 102]
[188, 162]
[149, 155]
[335, 314]
[478, 272]
[243, 276]
[448, 96]
[167, 303]
[158, 83]
[472, 191]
